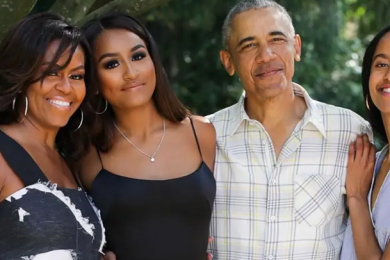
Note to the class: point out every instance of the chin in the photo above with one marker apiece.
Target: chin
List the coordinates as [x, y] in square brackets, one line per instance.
[271, 91]
[59, 123]
[385, 111]
[137, 103]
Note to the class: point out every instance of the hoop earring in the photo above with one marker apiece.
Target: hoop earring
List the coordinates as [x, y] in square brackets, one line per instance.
[81, 121]
[25, 109]
[367, 105]
[105, 109]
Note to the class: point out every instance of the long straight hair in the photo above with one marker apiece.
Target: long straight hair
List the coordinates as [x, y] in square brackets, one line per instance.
[374, 115]
[164, 98]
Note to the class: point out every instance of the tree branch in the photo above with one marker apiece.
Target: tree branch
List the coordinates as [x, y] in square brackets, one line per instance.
[73, 10]
[12, 11]
[134, 7]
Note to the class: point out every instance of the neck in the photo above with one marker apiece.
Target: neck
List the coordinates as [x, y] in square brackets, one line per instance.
[386, 123]
[33, 133]
[271, 111]
[140, 122]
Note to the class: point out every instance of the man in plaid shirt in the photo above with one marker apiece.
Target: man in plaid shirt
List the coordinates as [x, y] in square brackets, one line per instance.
[281, 156]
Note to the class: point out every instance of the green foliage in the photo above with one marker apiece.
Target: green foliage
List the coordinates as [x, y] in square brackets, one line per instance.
[334, 34]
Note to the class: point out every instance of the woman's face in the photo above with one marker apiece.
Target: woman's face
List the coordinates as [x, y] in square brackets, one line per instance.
[53, 101]
[125, 69]
[380, 75]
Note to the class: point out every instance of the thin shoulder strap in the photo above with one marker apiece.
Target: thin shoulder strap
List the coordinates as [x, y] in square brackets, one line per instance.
[20, 161]
[196, 137]
[100, 158]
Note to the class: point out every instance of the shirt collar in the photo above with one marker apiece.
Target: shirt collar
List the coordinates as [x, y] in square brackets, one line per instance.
[312, 114]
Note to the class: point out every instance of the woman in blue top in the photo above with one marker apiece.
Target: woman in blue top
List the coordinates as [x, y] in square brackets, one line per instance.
[368, 186]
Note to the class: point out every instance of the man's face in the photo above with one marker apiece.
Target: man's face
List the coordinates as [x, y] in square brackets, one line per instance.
[262, 48]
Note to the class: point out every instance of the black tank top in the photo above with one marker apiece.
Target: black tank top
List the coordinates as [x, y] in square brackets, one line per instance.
[43, 221]
[154, 219]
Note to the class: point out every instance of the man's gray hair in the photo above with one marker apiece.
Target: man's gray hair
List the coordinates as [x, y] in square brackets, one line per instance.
[246, 5]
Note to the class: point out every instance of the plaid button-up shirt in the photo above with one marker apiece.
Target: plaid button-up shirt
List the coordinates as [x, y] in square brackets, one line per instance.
[290, 207]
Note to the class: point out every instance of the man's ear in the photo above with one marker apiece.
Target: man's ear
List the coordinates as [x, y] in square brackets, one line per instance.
[297, 47]
[227, 62]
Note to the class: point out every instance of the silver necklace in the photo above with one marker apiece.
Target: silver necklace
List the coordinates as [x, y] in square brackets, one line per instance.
[158, 147]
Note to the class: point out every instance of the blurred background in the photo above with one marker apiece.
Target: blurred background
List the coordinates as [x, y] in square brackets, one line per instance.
[188, 32]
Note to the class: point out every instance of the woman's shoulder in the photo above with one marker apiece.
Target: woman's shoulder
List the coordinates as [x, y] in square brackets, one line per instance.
[88, 167]
[202, 124]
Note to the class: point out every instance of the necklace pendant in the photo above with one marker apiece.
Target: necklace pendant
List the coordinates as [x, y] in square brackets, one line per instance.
[152, 159]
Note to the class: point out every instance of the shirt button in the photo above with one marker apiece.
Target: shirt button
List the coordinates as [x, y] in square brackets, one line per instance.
[273, 218]
[270, 257]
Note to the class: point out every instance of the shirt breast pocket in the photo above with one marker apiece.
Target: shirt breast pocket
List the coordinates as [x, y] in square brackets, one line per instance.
[317, 198]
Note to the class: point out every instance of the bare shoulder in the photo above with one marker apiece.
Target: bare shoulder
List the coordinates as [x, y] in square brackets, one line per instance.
[2, 175]
[204, 127]
[5, 174]
[205, 132]
[88, 167]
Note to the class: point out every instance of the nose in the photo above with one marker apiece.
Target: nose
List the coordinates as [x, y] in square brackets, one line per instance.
[265, 54]
[387, 75]
[64, 85]
[131, 72]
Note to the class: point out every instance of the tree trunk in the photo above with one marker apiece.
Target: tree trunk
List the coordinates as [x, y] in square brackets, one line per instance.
[134, 7]
[12, 11]
[73, 10]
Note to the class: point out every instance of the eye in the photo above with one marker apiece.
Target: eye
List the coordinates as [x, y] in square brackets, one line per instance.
[111, 64]
[77, 77]
[277, 39]
[249, 45]
[381, 65]
[138, 56]
[52, 73]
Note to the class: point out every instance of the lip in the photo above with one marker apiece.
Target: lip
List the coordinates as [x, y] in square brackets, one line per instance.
[269, 72]
[58, 105]
[382, 92]
[132, 86]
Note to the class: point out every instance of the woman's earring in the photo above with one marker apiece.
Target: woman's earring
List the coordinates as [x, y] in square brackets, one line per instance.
[105, 109]
[25, 108]
[298, 58]
[81, 121]
[367, 105]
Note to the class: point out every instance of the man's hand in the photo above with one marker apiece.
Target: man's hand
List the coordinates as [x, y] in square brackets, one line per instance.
[361, 161]
[108, 256]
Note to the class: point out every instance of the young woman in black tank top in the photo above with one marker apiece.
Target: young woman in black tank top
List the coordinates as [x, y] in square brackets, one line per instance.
[151, 172]
[44, 212]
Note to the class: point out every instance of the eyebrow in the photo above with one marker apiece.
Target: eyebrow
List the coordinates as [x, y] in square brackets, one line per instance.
[251, 38]
[106, 55]
[277, 33]
[246, 39]
[78, 68]
[58, 66]
[380, 55]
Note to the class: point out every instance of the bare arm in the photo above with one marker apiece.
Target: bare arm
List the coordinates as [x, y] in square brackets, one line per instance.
[359, 175]
[366, 244]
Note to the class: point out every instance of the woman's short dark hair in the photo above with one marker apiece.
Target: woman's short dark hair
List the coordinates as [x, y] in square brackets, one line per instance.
[22, 52]
[374, 115]
[165, 100]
